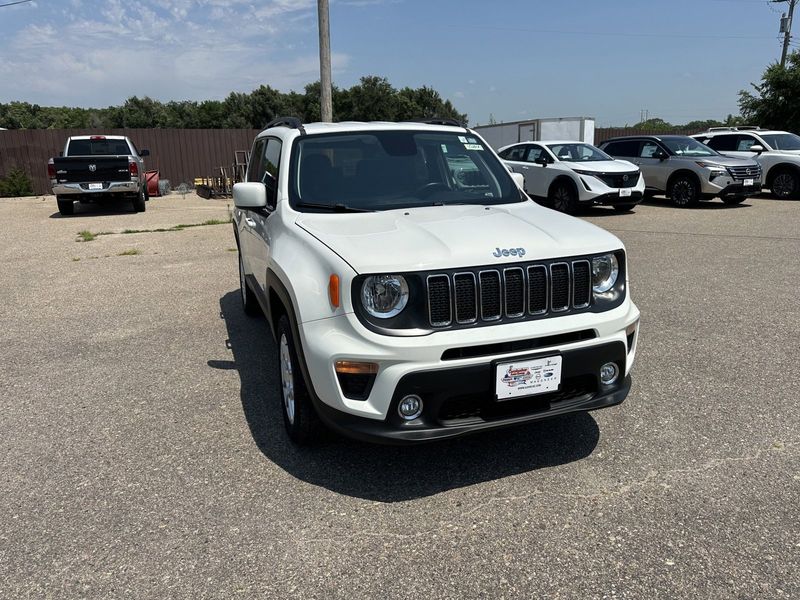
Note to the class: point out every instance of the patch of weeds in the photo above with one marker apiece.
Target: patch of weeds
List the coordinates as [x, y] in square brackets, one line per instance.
[75, 259]
[179, 227]
[231, 249]
[131, 252]
[86, 236]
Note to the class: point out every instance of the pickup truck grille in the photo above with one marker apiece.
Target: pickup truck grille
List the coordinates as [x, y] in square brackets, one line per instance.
[746, 172]
[507, 293]
[620, 180]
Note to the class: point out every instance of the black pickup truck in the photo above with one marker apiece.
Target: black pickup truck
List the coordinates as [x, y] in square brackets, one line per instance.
[97, 168]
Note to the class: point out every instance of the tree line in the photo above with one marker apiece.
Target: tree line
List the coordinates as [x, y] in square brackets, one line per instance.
[372, 99]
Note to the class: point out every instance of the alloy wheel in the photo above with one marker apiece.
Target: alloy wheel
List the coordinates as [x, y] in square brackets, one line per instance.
[783, 185]
[287, 379]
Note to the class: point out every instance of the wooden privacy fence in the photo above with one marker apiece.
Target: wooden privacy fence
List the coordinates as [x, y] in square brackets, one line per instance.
[179, 154]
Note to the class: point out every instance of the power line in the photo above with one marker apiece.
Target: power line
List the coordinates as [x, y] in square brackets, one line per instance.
[13, 3]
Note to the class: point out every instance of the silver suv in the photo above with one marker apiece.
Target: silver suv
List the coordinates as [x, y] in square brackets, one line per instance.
[778, 153]
[685, 170]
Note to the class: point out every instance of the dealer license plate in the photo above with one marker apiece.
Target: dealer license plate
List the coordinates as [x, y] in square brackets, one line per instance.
[624, 192]
[527, 377]
[95, 186]
[749, 183]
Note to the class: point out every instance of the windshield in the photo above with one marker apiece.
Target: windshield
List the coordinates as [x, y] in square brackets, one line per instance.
[686, 146]
[783, 141]
[383, 170]
[578, 152]
[98, 147]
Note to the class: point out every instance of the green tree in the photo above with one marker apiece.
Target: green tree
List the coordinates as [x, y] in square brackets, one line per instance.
[775, 102]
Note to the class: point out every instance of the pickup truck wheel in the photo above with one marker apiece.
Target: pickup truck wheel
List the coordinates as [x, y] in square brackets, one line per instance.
[563, 198]
[786, 184]
[65, 207]
[299, 417]
[139, 202]
[683, 191]
[249, 301]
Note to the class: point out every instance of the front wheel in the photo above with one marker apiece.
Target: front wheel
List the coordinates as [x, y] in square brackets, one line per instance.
[299, 417]
[684, 191]
[786, 185]
[564, 198]
[65, 207]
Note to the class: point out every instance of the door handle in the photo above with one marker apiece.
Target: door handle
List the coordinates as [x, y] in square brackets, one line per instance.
[250, 222]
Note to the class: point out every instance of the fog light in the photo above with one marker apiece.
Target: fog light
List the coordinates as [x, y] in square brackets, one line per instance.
[609, 373]
[410, 407]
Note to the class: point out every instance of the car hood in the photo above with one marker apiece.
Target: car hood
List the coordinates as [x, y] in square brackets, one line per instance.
[444, 237]
[602, 166]
[725, 161]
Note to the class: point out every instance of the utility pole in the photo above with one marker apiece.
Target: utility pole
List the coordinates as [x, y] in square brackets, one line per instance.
[326, 95]
[786, 29]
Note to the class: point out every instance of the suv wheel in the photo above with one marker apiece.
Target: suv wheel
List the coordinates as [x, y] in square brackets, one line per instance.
[299, 417]
[65, 207]
[683, 191]
[249, 301]
[785, 184]
[563, 198]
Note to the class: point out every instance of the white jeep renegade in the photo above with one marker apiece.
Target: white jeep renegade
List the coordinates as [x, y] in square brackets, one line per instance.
[416, 293]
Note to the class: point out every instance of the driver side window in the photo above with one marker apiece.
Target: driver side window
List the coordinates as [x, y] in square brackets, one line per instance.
[534, 153]
[648, 150]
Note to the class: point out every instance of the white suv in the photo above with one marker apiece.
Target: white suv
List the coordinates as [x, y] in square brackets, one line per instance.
[778, 153]
[416, 293]
[567, 175]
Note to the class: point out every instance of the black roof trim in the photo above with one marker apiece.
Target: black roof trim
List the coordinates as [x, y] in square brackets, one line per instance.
[290, 122]
[437, 121]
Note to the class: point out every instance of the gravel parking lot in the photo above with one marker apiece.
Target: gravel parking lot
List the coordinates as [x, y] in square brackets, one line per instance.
[143, 454]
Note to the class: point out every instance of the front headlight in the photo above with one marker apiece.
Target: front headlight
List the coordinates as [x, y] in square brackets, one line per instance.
[716, 170]
[605, 270]
[589, 173]
[384, 296]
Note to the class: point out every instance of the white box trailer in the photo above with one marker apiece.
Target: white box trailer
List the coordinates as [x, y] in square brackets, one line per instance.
[559, 128]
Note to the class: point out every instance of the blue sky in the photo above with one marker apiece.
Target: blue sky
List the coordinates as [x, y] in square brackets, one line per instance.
[610, 59]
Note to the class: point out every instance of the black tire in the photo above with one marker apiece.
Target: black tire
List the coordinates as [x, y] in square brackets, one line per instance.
[684, 191]
[563, 197]
[146, 194]
[299, 417]
[732, 200]
[623, 208]
[785, 184]
[139, 202]
[65, 207]
[249, 300]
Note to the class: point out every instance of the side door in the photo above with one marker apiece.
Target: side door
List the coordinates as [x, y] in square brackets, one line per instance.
[656, 171]
[261, 232]
[514, 158]
[245, 223]
[538, 177]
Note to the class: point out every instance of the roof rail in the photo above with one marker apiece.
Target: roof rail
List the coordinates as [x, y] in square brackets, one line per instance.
[437, 121]
[738, 128]
[290, 122]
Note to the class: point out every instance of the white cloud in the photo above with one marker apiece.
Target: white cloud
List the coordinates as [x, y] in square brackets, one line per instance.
[167, 49]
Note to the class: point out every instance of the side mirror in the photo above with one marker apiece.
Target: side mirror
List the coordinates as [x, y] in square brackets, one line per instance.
[519, 179]
[757, 148]
[660, 154]
[542, 160]
[144, 153]
[249, 195]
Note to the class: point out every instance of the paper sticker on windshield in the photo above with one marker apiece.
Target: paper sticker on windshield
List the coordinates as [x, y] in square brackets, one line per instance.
[472, 140]
[473, 146]
[462, 139]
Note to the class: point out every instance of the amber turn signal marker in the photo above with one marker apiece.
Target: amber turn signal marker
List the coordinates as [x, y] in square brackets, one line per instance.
[333, 290]
[355, 368]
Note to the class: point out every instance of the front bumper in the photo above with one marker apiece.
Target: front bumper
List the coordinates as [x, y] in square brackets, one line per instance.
[727, 186]
[614, 198]
[109, 187]
[450, 385]
[592, 190]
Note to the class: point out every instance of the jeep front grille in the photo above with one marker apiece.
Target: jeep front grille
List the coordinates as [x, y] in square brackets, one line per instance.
[745, 172]
[508, 293]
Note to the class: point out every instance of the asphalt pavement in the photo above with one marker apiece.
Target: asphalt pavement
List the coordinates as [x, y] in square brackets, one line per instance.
[142, 453]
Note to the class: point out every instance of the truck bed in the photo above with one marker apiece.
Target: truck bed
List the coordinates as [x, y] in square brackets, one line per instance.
[91, 169]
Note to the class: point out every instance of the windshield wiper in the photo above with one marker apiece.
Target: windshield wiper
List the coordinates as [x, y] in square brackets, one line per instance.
[343, 208]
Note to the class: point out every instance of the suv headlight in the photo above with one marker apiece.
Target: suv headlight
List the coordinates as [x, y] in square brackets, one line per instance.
[384, 296]
[589, 173]
[605, 270]
[716, 170]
